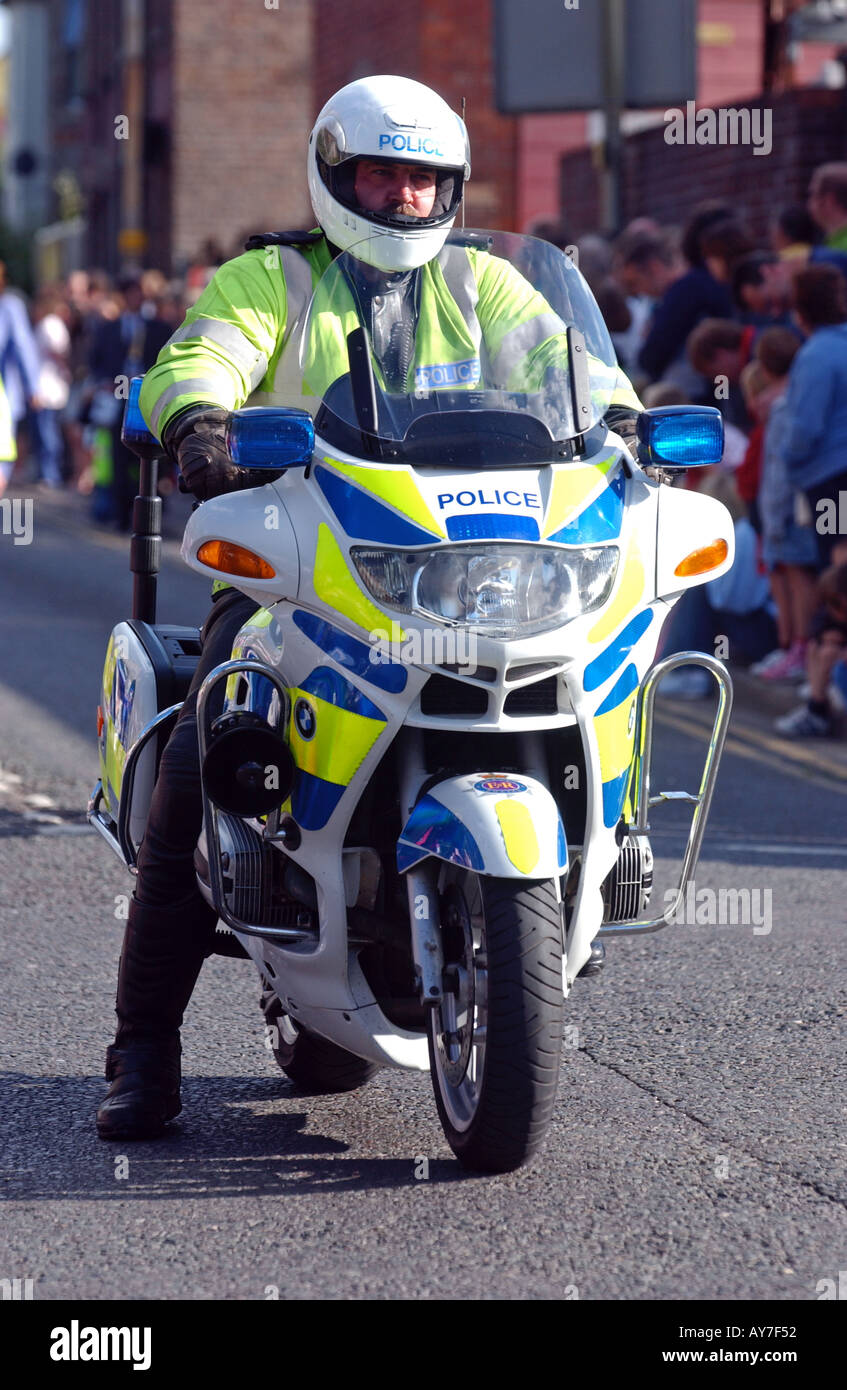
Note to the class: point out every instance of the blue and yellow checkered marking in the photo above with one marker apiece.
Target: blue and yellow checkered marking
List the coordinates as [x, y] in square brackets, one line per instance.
[346, 725]
[603, 666]
[349, 652]
[600, 521]
[364, 517]
[614, 729]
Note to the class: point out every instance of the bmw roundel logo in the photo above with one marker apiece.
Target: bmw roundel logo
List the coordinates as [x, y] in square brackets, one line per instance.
[304, 719]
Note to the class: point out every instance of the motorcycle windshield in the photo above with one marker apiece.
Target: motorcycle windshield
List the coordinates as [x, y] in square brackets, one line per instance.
[494, 353]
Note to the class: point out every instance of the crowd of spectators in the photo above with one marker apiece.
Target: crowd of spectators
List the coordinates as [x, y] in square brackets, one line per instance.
[706, 314]
[66, 359]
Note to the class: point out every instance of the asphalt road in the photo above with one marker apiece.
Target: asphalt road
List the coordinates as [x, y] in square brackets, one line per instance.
[698, 1144]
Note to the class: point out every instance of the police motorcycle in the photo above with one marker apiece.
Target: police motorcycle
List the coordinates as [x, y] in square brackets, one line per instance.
[427, 799]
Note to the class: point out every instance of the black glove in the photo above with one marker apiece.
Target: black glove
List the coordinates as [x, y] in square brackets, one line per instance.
[196, 441]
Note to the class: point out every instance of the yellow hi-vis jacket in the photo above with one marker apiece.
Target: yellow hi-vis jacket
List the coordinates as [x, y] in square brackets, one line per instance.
[480, 323]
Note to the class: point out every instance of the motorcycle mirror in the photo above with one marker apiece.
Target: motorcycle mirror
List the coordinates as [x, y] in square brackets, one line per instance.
[680, 436]
[271, 437]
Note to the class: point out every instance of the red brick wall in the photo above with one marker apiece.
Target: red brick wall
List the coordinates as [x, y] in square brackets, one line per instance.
[457, 59]
[809, 126]
[242, 113]
[363, 39]
[448, 48]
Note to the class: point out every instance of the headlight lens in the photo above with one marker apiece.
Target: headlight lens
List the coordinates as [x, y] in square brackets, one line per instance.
[500, 590]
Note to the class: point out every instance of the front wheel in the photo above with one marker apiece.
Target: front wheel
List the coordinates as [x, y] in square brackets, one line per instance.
[495, 1041]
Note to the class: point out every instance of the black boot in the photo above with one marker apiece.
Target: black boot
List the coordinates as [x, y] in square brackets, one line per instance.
[162, 954]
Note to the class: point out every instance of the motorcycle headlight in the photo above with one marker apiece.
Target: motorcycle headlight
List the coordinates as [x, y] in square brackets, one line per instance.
[503, 591]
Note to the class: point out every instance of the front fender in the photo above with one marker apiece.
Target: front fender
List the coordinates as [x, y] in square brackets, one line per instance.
[493, 823]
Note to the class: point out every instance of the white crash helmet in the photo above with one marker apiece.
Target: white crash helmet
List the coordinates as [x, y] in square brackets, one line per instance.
[396, 120]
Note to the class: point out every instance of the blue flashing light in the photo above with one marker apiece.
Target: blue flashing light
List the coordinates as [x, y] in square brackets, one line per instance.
[134, 431]
[271, 437]
[492, 526]
[681, 436]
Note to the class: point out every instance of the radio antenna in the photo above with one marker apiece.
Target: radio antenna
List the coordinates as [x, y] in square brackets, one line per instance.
[463, 191]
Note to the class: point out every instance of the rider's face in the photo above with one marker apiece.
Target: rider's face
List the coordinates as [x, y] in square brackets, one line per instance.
[406, 188]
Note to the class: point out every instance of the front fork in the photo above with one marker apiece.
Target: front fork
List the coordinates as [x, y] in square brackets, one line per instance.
[422, 884]
[422, 887]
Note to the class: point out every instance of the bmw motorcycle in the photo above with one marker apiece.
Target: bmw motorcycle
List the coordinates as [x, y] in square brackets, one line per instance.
[427, 799]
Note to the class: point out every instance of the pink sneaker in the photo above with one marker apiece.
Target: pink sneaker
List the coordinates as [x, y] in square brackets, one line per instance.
[790, 666]
[772, 659]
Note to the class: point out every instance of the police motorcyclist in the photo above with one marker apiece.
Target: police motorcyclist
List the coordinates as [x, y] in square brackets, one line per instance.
[387, 164]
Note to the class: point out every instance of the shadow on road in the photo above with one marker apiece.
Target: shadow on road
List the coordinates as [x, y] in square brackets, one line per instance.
[225, 1148]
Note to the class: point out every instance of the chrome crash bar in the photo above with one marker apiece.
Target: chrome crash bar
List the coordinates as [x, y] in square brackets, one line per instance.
[703, 798]
[210, 811]
[117, 834]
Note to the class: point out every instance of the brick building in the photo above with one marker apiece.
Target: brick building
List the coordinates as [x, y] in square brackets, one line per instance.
[217, 100]
[177, 121]
[809, 127]
[515, 159]
[448, 48]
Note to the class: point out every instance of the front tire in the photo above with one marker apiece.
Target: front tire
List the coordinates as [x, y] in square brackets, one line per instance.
[317, 1066]
[495, 1041]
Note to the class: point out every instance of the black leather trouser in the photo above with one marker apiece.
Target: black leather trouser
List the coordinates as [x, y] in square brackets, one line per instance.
[166, 859]
[170, 927]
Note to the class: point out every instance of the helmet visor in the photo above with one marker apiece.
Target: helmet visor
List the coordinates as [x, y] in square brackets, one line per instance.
[339, 175]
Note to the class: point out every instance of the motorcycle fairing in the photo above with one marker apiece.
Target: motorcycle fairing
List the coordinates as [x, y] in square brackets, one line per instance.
[128, 703]
[612, 657]
[347, 651]
[397, 488]
[583, 506]
[362, 515]
[614, 730]
[335, 586]
[494, 823]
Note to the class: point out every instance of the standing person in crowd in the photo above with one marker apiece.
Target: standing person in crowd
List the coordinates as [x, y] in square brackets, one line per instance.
[719, 350]
[789, 549]
[736, 606]
[684, 297]
[761, 288]
[794, 234]
[172, 305]
[628, 342]
[722, 245]
[753, 386]
[827, 649]
[827, 203]
[593, 257]
[50, 321]
[19, 369]
[123, 347]
[8, 446]
[815, 446]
